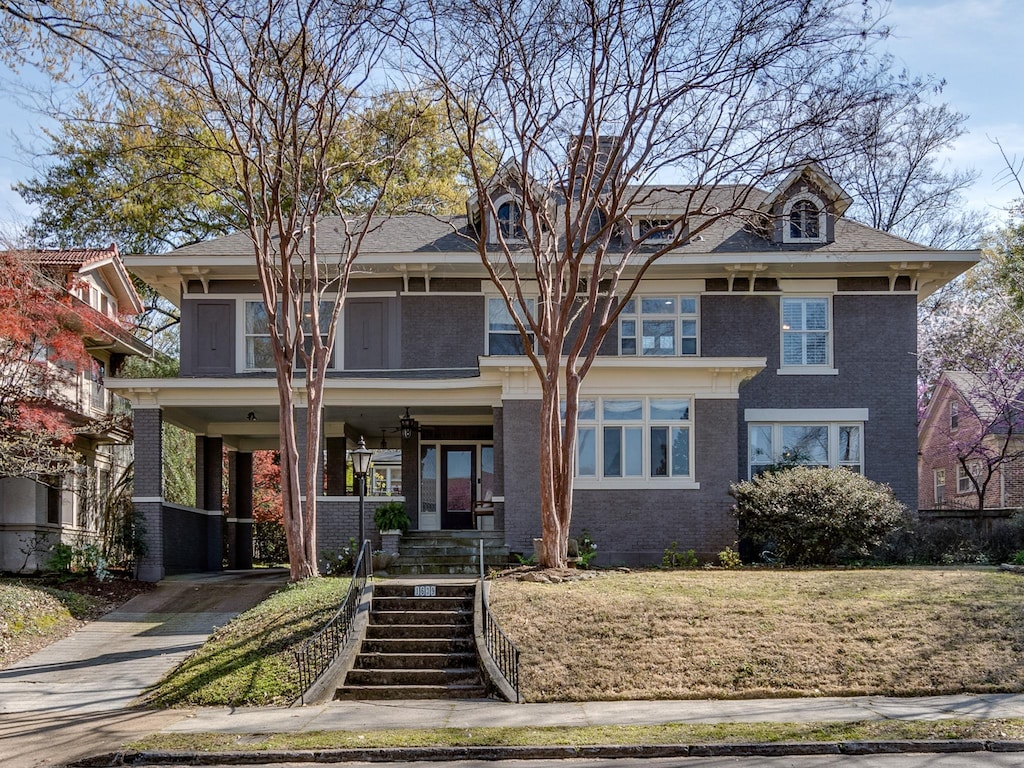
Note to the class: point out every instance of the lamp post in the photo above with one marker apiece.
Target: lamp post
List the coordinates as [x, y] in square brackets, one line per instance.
[360, 466]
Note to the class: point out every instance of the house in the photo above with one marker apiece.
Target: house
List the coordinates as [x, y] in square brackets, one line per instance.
[35, 516]
[789, 331]
[971, 442]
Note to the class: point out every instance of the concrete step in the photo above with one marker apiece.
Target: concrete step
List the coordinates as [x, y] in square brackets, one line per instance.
[376, 692]
[404, 603]
[398, 645]
[388, 589]
[369, 660]
[421, 617]
[408, 677]
[415, 631]
[404, 568]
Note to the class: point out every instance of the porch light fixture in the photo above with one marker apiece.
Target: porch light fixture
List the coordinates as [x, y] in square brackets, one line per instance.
[361, 456]
[407, 425]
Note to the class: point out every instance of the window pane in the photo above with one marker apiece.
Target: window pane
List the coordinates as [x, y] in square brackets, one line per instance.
[849, 444]
[659, 451]
[805, 444]
[629, 327]
[687, 305]
[658, 306]
[613, 452]
[680, 451]
[761, 445]
[629, 346]
[256, 317]
[258, 353]
[792, 315]
[817, 348]
[486, 472]
[498, 316]
[623, 410]
[816, 314]
[587, 410]
[629, 308]
[586, 452]
[670, 410]
[688, 347]
[428, 480]
[505, 344]
[792, 349]
[634, 451]
[659, 337]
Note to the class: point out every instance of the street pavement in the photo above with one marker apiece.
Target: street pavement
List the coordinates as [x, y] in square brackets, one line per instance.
[76, 698]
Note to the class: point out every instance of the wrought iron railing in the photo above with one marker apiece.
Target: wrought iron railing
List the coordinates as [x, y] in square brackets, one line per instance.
[499, 646]
[316, 654]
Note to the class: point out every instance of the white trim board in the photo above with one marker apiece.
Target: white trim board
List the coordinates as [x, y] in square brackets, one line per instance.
[805, 414]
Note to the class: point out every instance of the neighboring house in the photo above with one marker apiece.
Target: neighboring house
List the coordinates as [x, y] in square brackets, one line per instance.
[789, 332]
[971, 437]
[35, 516]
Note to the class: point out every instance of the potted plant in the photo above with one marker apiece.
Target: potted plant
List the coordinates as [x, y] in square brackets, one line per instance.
[392, 521]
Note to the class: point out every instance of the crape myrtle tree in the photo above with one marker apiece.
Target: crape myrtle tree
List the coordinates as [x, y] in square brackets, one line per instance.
[277, 86]
[592, 107]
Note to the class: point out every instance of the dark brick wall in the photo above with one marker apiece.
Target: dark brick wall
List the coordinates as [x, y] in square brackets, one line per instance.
[337, 521]
[520, 462]
[634, 526]
[875, 345]
[442, 331]
[191, 540]
[148, 483]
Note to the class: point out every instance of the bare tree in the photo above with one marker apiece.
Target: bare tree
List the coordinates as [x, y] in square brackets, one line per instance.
[278, 86]
[897, 177]
[591, 106]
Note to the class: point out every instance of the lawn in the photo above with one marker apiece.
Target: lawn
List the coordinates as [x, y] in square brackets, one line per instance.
[32, 615]
[765, 632]
[249, 660]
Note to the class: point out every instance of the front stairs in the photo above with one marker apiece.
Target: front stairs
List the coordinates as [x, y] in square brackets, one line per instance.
[449, 552]
[417, 647]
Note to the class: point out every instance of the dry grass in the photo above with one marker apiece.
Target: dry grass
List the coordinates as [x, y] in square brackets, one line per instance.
[754, 633]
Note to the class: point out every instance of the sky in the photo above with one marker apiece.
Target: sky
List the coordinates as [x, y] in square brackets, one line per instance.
[976, 46]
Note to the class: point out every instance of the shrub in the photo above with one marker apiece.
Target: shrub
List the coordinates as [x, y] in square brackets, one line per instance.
[816, 515]
[587, 550]
[673, 558]
[729, 558]
[391, 517]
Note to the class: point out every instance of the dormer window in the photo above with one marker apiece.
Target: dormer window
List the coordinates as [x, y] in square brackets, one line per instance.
[653, 231]
[804, 220]
[510, 220]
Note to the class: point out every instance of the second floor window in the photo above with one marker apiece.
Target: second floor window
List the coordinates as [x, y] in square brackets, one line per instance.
[804, 223]
[502, 335]
[940, 486]
[806, 331]
[258, 352]
[661, 326]
[510, 220]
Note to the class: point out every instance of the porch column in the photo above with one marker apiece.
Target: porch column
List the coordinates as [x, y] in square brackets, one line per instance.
[336, 466]
[411, 478]
[148, 489]
[210, 496]
[240, 510]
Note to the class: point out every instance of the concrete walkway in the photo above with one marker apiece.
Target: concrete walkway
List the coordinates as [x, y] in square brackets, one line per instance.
[71, 698]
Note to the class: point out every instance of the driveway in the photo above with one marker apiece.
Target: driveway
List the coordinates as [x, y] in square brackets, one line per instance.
[74, 697]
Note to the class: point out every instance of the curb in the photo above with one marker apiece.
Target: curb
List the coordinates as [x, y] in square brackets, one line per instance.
[440, 754]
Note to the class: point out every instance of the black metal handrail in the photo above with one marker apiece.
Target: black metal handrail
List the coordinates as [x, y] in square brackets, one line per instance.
[317, 653]
[499, 646]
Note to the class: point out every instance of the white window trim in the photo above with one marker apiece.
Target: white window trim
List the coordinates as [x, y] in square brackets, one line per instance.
[822, 219]
[645, 480]
[677, 317]
[964, 485]
[833, 439]
[829, 368]
[938, 481]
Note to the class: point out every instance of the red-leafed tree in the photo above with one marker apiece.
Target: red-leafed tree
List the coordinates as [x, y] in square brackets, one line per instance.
[41, 355]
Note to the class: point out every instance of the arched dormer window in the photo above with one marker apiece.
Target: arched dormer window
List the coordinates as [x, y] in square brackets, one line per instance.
[510, 220]
[804, 220]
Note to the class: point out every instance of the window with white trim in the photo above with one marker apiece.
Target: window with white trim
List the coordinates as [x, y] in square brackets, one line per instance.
[954, 414]
[963, 477]
[659, 326]
[939, 486]
[829, 444]
[806, 331]
[643, 438]
[502, 335]
[804, 220]
[654, 231]
[258, 352]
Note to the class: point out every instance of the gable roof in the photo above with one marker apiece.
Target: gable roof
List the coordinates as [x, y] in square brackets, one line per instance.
[103, 261]
[816, 174]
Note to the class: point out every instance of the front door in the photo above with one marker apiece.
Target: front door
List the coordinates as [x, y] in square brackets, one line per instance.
[458, 470]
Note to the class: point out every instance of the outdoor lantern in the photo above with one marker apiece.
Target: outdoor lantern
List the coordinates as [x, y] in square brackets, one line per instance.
[407, 424]
[361, 459]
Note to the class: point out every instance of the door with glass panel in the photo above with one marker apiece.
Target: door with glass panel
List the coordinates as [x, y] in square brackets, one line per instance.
[458, 470]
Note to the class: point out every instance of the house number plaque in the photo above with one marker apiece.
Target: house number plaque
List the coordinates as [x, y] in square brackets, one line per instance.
[425, 590]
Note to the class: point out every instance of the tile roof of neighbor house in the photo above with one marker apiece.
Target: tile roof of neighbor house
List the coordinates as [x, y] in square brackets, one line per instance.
[73, 257]
[421, 233]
